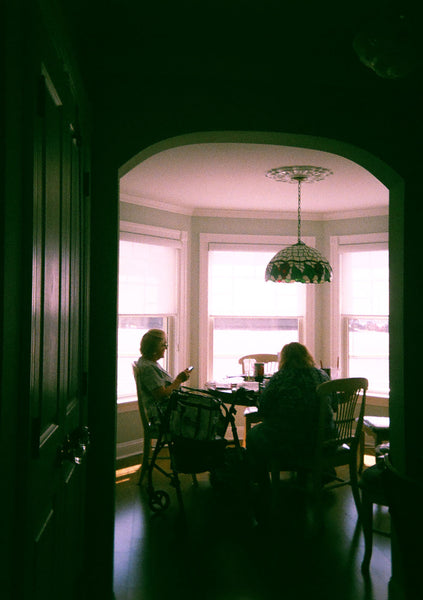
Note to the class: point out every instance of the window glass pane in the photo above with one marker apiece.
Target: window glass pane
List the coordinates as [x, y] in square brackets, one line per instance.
[237, 287]
[235, 337]
[365, 283]
[368, 352]
[147, 278]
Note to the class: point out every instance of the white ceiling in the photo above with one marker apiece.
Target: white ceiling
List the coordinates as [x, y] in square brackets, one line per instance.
[215, 177]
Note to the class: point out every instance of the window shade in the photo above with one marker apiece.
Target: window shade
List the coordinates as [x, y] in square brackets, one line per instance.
[365, 283]
[147, 278]
[237, 287]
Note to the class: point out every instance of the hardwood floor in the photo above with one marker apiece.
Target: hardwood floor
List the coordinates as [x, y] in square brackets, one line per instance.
[221, 555]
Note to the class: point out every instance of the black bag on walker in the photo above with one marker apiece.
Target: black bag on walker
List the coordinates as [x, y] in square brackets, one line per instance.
[195, 416]
[196, 427]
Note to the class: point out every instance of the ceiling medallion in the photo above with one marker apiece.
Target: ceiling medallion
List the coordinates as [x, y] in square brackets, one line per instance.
[305, 173]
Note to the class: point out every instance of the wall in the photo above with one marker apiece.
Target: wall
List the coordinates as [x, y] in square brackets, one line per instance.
[152, 216]
[129, 428]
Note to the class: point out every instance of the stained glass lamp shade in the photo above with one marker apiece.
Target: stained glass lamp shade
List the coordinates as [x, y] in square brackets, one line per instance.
[299, 262]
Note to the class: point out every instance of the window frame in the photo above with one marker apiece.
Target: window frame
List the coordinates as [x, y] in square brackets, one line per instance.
[177, 322]
[216, 241]
[339, 334]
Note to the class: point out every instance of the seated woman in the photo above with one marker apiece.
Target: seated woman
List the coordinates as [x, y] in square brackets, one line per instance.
[289, 411]
[156, 383]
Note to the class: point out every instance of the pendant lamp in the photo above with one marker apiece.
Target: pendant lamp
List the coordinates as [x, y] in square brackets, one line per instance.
[299, 262]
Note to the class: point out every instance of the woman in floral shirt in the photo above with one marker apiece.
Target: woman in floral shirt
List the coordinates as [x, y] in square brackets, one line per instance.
[289, 410]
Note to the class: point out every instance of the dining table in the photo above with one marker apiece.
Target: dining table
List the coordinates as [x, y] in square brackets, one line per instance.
[237, 390]
[240, 393]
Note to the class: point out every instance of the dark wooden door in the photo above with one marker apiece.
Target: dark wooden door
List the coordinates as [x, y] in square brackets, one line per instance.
[58, 347]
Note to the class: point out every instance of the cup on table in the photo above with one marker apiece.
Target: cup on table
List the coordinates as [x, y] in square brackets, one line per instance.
[259, 371]
[332, 372]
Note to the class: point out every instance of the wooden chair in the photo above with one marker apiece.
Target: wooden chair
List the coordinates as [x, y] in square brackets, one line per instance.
[373, 486]
[343, 448]
[150, 432]
[383, 484]
[271, 363]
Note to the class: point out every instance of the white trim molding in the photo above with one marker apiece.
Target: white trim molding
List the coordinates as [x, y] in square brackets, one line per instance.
[130, 448]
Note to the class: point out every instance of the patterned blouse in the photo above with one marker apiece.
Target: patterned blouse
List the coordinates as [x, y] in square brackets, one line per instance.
[289, 405]
[151, 377]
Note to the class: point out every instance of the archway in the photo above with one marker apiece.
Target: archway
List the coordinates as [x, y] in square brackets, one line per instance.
[387, 176]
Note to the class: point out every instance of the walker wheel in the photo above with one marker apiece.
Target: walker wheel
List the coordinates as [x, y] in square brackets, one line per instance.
[159, 501]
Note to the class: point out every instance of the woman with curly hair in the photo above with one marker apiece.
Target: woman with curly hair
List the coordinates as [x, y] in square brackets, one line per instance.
[289, 411]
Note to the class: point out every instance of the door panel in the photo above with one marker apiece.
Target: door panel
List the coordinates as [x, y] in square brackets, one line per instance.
[57, 470]
[49, 399]
[76, 254]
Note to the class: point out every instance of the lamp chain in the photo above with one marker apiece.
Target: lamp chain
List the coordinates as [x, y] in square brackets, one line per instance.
[299, 210]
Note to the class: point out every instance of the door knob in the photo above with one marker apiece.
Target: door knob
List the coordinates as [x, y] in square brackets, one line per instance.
[75, 446]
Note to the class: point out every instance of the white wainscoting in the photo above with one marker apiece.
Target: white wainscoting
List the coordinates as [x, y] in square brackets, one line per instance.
[130, 448]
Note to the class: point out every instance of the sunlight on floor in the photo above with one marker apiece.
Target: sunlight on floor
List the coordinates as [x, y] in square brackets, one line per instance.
[123, 475]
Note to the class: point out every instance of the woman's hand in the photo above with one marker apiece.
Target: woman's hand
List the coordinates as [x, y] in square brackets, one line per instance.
[165, 391]
[182, 376]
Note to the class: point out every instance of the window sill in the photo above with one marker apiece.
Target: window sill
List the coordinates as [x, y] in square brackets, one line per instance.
[377, 400]
[127, 405]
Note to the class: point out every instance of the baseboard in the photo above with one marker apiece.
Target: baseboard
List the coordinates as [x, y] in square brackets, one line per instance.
[128, 449]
